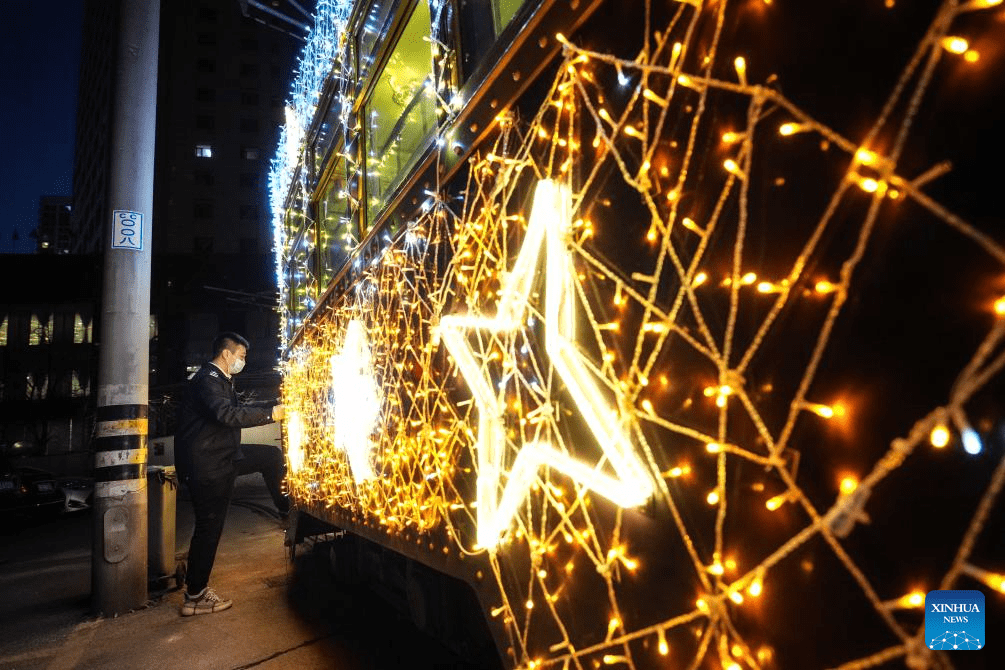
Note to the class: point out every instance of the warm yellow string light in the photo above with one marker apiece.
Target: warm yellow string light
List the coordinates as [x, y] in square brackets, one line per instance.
[429, 431]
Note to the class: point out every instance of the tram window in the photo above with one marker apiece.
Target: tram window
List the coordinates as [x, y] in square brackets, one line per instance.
[482, 21]
[337, 232]
[401, 112]
[374, 28]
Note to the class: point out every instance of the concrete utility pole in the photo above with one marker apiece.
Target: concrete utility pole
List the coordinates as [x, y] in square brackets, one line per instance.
[119, 555]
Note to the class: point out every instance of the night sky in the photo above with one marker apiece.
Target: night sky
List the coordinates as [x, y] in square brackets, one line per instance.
[40, 47]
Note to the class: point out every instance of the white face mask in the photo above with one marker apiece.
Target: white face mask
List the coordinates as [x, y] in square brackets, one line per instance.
[236, 366]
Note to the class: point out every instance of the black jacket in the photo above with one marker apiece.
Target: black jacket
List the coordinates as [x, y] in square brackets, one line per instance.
[209, 425]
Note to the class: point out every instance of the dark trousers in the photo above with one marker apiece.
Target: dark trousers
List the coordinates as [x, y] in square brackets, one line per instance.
[210, 500]
[268, 460]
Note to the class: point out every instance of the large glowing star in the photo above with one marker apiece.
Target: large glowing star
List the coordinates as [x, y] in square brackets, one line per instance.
[355, 400]
[630, 485]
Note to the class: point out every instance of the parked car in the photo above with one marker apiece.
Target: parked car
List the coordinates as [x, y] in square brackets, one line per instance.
[26, 490]
[78, 493]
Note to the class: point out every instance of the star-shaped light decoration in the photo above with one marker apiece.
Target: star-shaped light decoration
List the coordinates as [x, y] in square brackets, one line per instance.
[630, 486]
[355, 400]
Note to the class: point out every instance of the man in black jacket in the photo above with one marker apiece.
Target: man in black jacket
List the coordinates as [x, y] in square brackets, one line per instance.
[207, 446]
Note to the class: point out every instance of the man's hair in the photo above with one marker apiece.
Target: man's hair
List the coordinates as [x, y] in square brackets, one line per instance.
[228, 340]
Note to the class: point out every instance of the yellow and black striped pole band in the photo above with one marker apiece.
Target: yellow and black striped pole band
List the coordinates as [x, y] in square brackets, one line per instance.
[120, 450]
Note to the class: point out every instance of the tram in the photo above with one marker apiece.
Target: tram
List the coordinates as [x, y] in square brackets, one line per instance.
[648, 334]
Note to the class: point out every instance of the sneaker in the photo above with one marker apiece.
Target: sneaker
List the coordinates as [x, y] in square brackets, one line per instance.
[206, 602]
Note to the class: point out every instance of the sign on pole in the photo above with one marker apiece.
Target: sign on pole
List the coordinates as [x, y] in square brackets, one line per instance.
[127, 230]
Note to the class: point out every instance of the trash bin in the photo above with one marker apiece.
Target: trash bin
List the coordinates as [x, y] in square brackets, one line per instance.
[162, 494]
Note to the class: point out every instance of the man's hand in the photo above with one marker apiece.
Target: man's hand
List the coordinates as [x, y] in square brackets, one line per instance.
[278, 413]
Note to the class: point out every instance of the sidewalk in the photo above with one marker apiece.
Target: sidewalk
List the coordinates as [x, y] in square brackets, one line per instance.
[282, 619]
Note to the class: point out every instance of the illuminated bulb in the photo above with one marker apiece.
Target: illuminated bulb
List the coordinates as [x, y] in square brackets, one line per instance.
[713, 447]
[868, 184]
[673, 195]
[734, 666]
[732, 167]
[647, 406]
[716, 569]
[689, 223]
[756, 588]
[971, 56]
[611, 659]
[730, 564]
[866, 157]
[737, 598]
[824, 286]
[663, 647]
[996, 582]
[826, 411]
[775, 502]
[737, 650]
[701, 604]
[914, 599]
[676, 472]
[699, 279]
[713, 498]
[632, 131]
[729, 137]
[529, 604]
[1000, 306]
[971, 441]
[741, 69]
[787, 129]
[956, 45]
[675, 53]
[652, 97]
[848, 485]
[747, 280]
[939, 437]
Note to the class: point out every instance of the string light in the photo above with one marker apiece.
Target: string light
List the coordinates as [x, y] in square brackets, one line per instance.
[476, 371]
[939, 437]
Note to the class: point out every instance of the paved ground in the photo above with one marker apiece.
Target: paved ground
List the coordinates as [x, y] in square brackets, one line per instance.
[285, 615]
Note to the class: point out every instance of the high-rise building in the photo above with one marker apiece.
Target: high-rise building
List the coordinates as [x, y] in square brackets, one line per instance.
[53, 232]
[224, 71]
[92, 152]
[223, 81]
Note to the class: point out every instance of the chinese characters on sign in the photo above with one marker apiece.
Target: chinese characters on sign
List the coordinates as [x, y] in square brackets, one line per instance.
[127, 230]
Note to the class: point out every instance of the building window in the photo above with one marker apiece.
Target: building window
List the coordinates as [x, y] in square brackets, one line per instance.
[205, 94]
[249, 69]
[202, 210]
[207, 65]
[204, 178]
[36, 386]
[81, 330]
[248, 212]
[249, 125]
[77, 390]
[249, 179]
[203, 151]
[205, 122]
[250, 153]
[41, 333]
[249, 98]
[3, 331]
[207, 39]
[207, 13]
